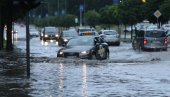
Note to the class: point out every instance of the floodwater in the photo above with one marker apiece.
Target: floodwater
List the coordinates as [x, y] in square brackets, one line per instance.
[126, 74]
[90, 80]
[100, 80]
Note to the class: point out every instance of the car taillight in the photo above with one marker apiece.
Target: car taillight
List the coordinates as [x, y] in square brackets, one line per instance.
[165, 41]
[145, 41]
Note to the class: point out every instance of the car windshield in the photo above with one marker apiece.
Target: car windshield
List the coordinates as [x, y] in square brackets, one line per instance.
[51, 30]
[110, 32]
[155, 34]
[70, 33]
[33, 30]
[81, 41]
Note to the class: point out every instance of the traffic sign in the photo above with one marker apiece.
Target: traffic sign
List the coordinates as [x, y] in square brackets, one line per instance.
[115, 1]
[81, 7]
[157, 13]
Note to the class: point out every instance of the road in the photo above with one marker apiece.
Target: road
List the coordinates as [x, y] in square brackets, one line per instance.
[125, 73]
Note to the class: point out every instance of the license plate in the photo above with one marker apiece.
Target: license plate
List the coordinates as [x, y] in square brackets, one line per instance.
[87, 33]
[71, 54]
[156, 42]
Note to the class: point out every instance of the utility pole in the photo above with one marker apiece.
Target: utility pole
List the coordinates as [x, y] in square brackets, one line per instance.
[28, 45]
[58, 7]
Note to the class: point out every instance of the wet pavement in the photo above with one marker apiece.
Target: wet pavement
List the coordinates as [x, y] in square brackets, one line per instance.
[100, 80]
[127, 73]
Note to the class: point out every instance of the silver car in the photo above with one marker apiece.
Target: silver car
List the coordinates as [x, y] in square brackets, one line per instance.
[150, 39]
[111, 37]
[155, 39]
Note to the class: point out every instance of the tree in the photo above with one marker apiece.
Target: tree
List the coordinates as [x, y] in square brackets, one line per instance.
[68, 21]
[11, 10]
[131, 12]
[165, 9]
[151, 7]
[92, 18]
[109, 15]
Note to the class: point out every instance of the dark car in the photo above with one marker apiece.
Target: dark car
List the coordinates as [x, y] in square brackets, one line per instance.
[150, 39]
[87, 47]
[65, 36]
[49, 33]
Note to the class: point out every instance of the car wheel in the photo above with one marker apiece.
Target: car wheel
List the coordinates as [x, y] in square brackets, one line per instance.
[118, 43]
[105, 56]
[58, 55]
[165, 49]
[134, 42]
[102, 56]
[40, 38]
[59, 43]
[65, 56]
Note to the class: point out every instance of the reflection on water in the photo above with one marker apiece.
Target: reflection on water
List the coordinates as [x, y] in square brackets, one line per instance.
[84, 81]
[61, 81]
[46, 43]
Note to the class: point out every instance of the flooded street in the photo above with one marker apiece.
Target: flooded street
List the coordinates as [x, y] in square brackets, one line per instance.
[61, 77]
[127, 73]
[99, 80]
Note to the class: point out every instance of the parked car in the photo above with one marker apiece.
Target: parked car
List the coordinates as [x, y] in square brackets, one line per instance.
[150, 39]
[34, 32]
[152, 27]
[166, 27]
[49, 33]
[88, 47]
[168, 35]
[66, 35]
[110, 36]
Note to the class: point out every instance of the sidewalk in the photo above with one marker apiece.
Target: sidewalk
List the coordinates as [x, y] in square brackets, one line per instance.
[11, 60]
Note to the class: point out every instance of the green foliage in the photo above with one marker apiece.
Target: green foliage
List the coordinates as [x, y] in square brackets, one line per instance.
[92, 18]
[151, 7]
[131, 12]
[109, 15]
[128, 12]
[58, 21]
[165, 9]
[68, 21]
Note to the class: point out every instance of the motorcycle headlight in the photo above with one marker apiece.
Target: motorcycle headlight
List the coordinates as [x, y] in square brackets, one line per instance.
[46, 35]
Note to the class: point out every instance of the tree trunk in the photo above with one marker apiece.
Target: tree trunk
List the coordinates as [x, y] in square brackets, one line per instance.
[9, 46]
[125, 31]
[1, 30]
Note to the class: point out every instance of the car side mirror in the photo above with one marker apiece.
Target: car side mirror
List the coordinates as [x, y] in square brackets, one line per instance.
[102, 35]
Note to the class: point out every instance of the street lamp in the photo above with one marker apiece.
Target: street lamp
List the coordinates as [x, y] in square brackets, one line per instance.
[144, 1]
[81, 12]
